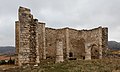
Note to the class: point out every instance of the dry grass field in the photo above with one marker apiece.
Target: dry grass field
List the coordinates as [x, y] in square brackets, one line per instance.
[104, 65]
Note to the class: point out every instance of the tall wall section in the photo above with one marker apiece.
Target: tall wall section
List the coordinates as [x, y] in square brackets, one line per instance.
[78, 39]
[24, 49]
[41, 40]
[76, 44]
[50, 38]
[27, 38]
[98, 39]
[54, 36]
[17, 39]
[93, 38]
[61, 35]
[105, 39]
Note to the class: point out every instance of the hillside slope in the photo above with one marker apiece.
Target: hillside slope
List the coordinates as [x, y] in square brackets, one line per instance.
[114, 45]
[7, 50]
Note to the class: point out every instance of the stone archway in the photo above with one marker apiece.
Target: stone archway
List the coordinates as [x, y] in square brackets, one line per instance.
[94, 52]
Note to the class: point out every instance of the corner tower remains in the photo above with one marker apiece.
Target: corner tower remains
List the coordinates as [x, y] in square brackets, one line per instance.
[35, 42]
[28, 32]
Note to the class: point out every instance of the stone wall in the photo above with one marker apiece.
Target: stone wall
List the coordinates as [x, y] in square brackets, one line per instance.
[61, 35]
[41, 40]
[93, 39]
[52, 36]
[59, 51]
[27, 38]
[98, 39]
[76, 44]
[50, 39]
[24, 52]
[35, 42]
[17, 39]
[105, 39]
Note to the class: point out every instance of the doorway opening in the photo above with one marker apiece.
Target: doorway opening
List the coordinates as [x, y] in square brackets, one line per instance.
[70, 54]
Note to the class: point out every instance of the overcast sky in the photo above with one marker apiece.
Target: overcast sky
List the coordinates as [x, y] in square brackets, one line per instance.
[77, 14]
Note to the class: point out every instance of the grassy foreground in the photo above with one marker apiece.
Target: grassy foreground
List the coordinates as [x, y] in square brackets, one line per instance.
[104, 65]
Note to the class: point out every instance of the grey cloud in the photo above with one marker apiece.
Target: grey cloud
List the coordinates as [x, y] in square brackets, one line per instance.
[62, 13]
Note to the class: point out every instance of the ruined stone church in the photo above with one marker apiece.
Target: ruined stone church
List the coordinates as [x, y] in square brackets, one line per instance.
[35, 42]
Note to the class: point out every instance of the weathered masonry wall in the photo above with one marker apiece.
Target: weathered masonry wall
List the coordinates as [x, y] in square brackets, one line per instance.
[75, 41]
[61, 37]
[24, 51]
[93, 38]
[53, 36]
[36, 43]
[105, 39]
[26, 38]
[17, 38]
[41, 40]
[50, 39]
[98, 39]
[76, 44]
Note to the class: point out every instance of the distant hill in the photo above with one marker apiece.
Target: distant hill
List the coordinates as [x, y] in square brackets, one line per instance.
[114, 45]
[7, 50]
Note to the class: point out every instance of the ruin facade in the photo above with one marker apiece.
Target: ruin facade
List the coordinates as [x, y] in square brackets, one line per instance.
[35, 42]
